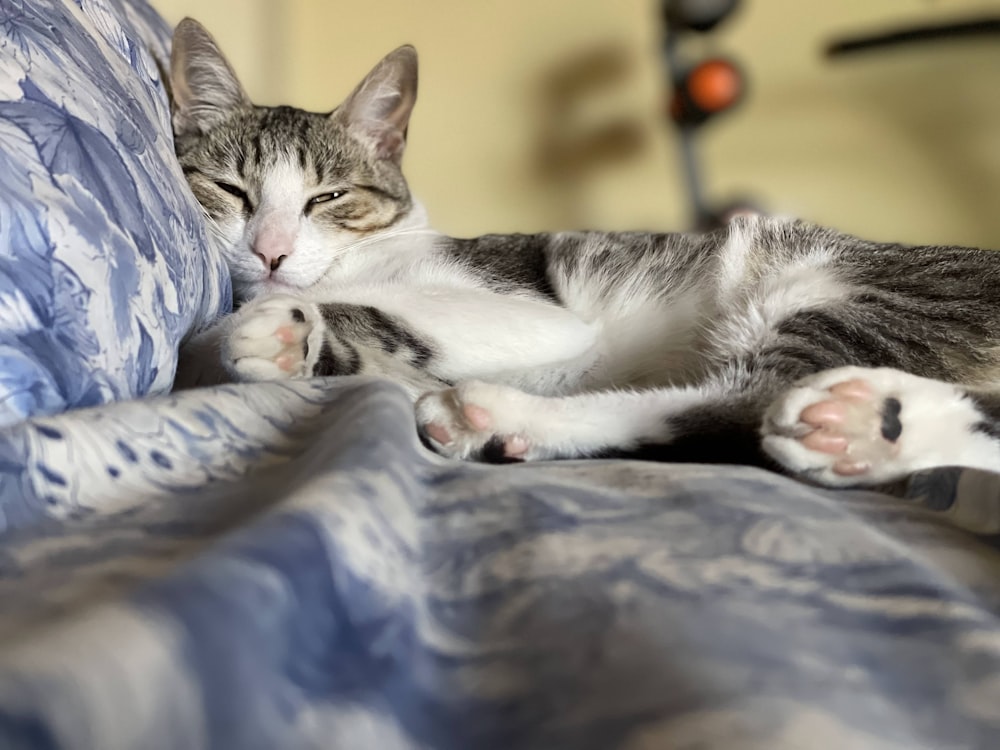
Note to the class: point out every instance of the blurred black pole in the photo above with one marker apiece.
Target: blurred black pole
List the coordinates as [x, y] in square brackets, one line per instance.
[699, 91]
[685, 138]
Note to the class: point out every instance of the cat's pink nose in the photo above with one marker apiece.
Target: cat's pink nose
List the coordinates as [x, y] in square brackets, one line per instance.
[273, 247]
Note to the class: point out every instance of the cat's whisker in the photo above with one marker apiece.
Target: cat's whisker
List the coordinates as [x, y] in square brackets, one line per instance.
[382, 237]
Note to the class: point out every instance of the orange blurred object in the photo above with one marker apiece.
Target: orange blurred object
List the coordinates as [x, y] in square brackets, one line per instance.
[714, 85]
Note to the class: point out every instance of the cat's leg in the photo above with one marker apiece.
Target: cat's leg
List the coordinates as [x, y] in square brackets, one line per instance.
[474, 333]
[496, 423]
[849, 426]
[282, 336]
[862, 426]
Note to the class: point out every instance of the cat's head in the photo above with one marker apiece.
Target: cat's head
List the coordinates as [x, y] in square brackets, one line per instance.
[289, 193]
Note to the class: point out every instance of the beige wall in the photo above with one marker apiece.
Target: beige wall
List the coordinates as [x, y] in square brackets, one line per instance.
[542, 115]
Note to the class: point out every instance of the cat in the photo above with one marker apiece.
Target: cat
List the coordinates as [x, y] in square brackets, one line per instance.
[769, 342]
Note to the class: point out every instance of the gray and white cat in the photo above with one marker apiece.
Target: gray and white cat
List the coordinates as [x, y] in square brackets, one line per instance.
[770, 342]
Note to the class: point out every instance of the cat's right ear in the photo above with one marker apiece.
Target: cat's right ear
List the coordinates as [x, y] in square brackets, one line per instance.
[378, 110]
[204, 87]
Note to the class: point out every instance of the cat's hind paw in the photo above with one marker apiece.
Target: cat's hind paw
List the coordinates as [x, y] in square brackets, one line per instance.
[857, 426]
[277, 338]
[482, 422]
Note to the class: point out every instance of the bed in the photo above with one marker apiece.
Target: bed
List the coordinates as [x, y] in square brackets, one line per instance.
[282, 565]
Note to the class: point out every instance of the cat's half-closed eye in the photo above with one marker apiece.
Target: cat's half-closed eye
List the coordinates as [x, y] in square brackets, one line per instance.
[236, 192]
[319, 200]
[204, 88]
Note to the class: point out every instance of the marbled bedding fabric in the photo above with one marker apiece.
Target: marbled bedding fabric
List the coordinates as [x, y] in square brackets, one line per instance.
[103, 260]
[282, 565]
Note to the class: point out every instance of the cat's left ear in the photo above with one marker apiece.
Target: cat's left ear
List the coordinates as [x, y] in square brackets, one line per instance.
[378, 110]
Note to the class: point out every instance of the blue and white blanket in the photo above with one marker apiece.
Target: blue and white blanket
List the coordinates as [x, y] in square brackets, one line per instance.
[281, 565]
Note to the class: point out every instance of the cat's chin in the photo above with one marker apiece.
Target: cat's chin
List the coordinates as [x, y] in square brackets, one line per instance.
[274, 285]
[265, 286]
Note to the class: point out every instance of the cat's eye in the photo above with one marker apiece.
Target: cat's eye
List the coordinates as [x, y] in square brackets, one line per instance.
[236, 192]
[324, 198]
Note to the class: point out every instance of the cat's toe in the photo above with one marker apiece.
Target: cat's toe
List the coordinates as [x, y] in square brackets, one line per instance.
[272, 341]
[463, 422]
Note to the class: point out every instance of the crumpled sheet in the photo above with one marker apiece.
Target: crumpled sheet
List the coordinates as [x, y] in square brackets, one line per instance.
[282, 565]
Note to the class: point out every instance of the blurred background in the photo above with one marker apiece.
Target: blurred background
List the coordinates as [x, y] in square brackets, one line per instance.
[552, 115]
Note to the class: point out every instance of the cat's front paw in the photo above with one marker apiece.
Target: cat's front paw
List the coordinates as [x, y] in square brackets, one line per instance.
[276, 338]
[483, 422]
[856, 425]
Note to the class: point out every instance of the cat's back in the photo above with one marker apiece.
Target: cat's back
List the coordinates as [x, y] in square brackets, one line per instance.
[504, 263]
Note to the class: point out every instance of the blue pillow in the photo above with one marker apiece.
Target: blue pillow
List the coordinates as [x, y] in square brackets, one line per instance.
[104, 262]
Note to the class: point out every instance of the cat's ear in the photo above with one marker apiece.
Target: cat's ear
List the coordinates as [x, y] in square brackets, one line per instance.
[205, 89]
[378, 110]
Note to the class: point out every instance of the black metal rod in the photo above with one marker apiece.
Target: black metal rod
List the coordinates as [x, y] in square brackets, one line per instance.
[918, 34]
[685, 136]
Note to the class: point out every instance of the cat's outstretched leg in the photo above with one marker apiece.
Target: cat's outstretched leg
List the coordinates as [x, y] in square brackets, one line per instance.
[863, 426]
[496, 423]
[849, 426]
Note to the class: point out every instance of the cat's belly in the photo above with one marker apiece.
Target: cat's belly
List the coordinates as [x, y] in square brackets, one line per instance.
[644, 343]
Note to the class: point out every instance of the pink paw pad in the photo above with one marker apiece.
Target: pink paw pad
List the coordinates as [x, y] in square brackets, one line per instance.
[482, 421]
[477, 417]
[848, 424]
[286, 362]
[825, 441]
[851, 468]
[855, 389]
[438, 433]
[285, 334]
[516, 447]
